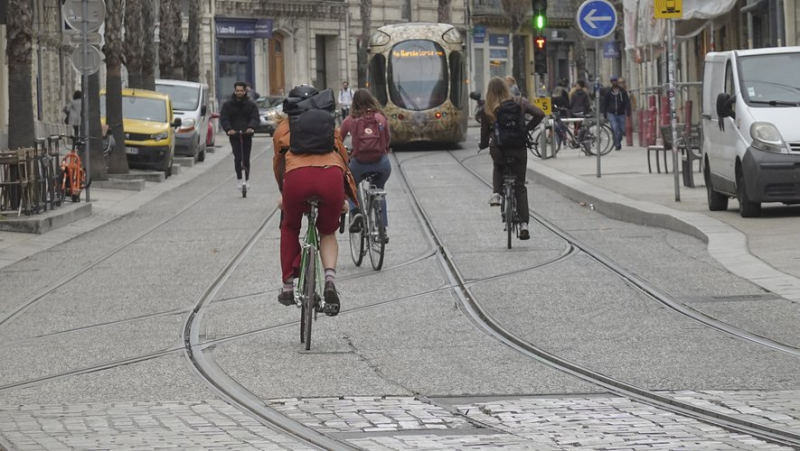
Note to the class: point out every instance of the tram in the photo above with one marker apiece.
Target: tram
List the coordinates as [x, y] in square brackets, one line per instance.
[418, 73]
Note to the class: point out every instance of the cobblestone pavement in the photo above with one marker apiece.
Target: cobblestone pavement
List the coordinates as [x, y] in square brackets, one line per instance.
[207, 425]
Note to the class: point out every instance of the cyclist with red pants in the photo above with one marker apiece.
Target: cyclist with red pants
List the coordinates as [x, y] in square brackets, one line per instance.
[299, 177]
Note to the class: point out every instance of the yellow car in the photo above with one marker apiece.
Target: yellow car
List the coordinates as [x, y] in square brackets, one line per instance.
[149, 128]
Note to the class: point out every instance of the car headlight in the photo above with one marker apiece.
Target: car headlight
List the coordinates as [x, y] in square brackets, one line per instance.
[452, 36]
[188, 123]
[767, 138]
[160, 136]
[379, 38]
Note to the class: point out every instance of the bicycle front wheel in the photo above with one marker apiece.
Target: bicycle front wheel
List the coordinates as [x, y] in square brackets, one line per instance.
[377, 235]
[310, 297]
[593, 133]
[509, 212]
[357, 245]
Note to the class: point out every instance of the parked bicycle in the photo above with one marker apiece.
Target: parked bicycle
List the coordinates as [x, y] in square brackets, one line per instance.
[310, 286]
[584, 137]
[372, 233]
[508, 204]
[73, 174]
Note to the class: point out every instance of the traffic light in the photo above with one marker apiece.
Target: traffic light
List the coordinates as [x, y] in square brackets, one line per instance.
[539, 14]
[540, 55]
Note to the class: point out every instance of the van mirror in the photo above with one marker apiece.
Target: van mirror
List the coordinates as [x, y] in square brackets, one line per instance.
[725, 104]
[176, 123]
[203, 110]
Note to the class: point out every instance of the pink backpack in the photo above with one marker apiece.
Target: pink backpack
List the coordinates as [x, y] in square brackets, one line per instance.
[368, 140]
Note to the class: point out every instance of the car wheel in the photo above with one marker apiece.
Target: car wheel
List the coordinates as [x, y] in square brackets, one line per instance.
[747, 209]
[201, 156]
[716, 201]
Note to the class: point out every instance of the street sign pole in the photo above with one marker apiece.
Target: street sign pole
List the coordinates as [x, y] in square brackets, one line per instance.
[672, 116]
[596, 20]
[597, 100]
[85, 99]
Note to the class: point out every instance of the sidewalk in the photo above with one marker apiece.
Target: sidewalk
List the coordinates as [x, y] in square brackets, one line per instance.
[106, 206]
[763, 250]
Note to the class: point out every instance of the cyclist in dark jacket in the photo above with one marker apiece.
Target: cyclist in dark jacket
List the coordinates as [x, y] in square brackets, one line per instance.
[240, 114]
[496, 93]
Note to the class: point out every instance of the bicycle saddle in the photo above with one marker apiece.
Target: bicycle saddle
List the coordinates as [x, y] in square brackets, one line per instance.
[372, 176]
[314, 200]
[511, 161]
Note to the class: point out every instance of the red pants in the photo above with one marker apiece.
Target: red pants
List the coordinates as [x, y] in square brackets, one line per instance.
[298, 185]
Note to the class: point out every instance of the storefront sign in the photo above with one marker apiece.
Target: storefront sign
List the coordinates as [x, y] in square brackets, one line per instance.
[233, 28]
[498, 40]
[611, 49]
[479, 34]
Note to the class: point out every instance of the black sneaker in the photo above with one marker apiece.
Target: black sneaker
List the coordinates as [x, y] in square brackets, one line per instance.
[286, 298]
[385, 238]
[523, 232]
[355, 224]
[331, 299]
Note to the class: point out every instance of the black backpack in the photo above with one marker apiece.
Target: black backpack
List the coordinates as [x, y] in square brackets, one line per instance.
[311, 123]
[510, 125]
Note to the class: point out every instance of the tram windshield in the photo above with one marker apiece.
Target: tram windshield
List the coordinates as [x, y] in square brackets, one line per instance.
[418, 75]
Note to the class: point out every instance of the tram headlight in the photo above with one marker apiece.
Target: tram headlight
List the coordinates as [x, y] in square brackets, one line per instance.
[379, 38]
[452, 36]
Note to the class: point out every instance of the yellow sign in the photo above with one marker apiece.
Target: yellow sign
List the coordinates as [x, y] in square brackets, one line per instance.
[668, 9]
[545, 104]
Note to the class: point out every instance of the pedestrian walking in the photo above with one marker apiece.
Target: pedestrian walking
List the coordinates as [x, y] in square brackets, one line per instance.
[615, 106]
[345, 99]
[73, 112]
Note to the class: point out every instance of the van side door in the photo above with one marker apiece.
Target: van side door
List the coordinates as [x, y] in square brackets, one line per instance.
[730, 137]
[713, 79]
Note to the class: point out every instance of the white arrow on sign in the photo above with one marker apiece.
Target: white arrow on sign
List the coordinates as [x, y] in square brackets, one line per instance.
[590, 19]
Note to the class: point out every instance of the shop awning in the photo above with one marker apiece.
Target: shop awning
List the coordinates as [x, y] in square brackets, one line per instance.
[641, 29]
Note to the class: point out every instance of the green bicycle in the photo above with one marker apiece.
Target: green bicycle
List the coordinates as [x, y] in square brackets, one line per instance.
[310, 288]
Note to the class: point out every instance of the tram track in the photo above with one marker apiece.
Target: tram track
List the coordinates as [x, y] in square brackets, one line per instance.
[485, 322]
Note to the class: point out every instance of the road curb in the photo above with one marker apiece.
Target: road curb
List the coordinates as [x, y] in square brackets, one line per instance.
[726, 244]
[44, 222]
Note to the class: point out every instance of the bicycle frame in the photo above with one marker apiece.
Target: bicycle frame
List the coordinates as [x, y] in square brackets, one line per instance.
[311, 239]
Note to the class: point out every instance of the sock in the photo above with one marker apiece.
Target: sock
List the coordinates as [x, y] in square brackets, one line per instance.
[330, 275]
[288, 286]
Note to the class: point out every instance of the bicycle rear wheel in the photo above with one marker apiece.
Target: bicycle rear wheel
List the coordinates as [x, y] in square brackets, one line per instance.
[309, 299]
[357, 245]
[533, 141]
[508, 212]
[377, 235]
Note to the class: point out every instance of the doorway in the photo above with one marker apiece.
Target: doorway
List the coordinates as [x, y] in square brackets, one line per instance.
[277, 80]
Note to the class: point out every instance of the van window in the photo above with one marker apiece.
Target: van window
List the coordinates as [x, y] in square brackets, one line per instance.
[184, 98]
[729, 79]
[770, 80]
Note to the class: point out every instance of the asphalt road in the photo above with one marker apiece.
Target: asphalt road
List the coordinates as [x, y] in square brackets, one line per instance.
[97, 359]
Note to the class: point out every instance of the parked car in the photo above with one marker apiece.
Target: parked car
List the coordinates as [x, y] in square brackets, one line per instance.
[211, 136]
[751, 141]
[148, 122]
[190, 102]
[267, 107]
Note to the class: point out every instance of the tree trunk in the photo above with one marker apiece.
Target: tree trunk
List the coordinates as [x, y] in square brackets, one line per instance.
[193, 43]
[178, 68]
[21, 130]
[519, 72]
[149, 46]
[134, 40]
[97, 167]
[444, 11]
[365, 8]
[165, 39]
[579, 49]
[118, 162]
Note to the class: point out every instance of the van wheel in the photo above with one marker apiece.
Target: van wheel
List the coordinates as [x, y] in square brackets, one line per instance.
[201, 156]
[716, 201]
[746, 208]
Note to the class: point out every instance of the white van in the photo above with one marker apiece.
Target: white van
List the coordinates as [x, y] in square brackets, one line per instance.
[751, 128]
[190, 104]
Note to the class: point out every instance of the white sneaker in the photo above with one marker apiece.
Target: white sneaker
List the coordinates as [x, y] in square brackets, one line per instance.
[239, 184]
[494, 201]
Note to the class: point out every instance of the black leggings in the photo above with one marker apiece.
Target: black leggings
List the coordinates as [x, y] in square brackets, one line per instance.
[520, 169]
[241, 155]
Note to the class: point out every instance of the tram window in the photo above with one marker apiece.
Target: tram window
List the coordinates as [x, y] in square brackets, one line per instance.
[418, 76]
[457, 90]
[377, 78]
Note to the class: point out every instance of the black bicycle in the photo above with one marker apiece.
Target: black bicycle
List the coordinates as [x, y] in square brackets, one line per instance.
[372, 233]
[508, 205]
[584, 137]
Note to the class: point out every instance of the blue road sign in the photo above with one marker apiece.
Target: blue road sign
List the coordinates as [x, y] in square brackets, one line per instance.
[597, 18]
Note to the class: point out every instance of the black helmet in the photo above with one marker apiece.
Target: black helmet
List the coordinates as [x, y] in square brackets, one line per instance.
[303, 91]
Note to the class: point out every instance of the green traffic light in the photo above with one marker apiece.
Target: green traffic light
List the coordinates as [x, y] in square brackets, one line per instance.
[539, 22]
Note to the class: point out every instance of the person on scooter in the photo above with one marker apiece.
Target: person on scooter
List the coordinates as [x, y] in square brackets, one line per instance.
[240, 114]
